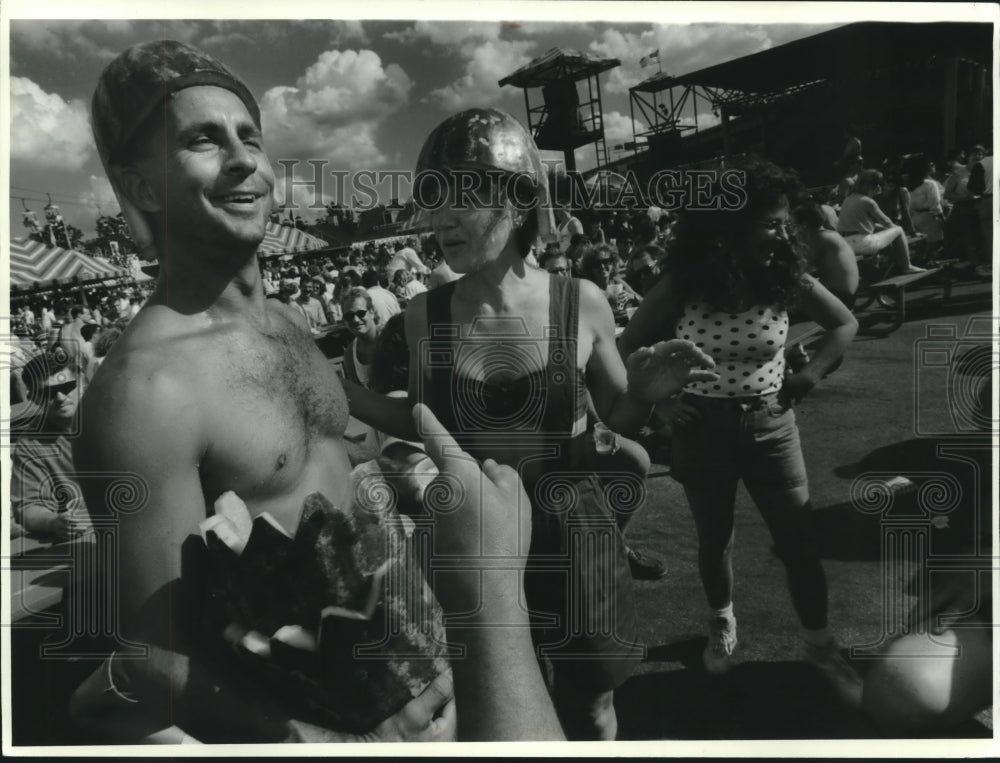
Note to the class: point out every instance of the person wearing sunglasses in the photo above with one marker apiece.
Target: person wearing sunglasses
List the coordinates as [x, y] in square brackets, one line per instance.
[729, 281]
[45, 497]
[600, 265]
[555, 262]
[363, 322]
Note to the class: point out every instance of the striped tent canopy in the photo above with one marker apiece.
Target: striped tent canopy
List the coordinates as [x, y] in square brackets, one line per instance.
[284, 239]
[33, 263]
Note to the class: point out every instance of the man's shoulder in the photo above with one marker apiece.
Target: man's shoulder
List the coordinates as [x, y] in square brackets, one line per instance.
[152, 365]
[151, 371]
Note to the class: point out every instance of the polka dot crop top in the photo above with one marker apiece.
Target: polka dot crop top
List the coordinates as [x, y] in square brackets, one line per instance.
[748, 349]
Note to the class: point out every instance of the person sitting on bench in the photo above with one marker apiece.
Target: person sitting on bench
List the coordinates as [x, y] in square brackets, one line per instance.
[829, 257]
[867, 229]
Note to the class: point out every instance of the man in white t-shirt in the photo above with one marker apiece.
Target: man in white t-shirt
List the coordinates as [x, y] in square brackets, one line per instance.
[406, 257]
[384, 302]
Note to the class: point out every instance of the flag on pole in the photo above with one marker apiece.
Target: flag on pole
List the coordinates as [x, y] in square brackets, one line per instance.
[646, 60]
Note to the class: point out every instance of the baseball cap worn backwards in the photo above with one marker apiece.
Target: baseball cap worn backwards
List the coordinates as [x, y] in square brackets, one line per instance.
[130, 89]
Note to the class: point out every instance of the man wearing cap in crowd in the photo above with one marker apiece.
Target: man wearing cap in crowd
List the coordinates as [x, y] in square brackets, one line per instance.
[45, 496]
[212, 388]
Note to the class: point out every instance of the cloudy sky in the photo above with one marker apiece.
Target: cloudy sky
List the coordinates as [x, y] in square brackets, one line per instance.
[359, 94]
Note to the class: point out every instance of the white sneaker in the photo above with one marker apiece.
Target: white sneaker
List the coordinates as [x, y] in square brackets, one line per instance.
[718, 654]
[842, 677]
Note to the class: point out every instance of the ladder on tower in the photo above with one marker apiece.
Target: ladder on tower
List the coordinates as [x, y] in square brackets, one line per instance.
[602, 152]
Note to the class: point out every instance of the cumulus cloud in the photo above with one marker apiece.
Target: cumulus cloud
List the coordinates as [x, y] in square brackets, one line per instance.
[453, 33]
[706, 119]
[349, 30]
[334, 110]
[70, 40]
[45, 130]
[683, 49]
[225, 40]
[535, 28]
[486, 64]
[620, 127]
[486, 58]
[99, 197]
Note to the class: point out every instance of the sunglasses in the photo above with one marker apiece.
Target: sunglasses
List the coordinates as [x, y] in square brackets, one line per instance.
[361, 314]
[49, 393]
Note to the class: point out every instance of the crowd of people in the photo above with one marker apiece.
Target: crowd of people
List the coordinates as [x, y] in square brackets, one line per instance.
[943, 210]
[504, 349]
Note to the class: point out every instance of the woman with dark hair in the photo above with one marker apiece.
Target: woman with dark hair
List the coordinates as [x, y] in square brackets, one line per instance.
[505, 357]
[577, 243]
[728, 283]
[599, 264]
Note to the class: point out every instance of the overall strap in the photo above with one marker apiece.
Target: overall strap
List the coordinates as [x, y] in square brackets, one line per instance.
[566, 396]
[437, 393]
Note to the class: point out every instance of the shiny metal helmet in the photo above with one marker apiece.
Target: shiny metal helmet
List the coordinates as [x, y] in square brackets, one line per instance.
[488, 139]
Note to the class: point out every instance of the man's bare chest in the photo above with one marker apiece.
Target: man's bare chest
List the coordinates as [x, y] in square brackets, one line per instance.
[271, 401]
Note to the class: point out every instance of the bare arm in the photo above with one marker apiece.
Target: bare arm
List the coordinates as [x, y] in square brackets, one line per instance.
[607, 380]
[386, 414]
[879, 217]
[841, 326]
[652, 322]
[33, 505]
[904, 212]
[157, 607]
[623, 394]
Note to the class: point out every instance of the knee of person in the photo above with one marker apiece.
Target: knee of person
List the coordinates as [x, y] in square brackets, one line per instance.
[922, 685]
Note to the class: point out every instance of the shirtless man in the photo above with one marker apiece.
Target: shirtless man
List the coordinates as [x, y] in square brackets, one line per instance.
[212, 388]
[70, 338]
[835, 262]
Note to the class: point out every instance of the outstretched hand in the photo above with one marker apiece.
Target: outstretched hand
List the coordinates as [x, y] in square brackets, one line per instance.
[661, 371]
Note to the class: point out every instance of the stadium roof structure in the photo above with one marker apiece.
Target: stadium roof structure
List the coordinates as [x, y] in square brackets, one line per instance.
[835, 54]
[558, 64]
[828, 75]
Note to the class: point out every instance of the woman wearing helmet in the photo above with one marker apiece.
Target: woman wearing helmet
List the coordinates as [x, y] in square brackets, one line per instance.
[505, 357]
